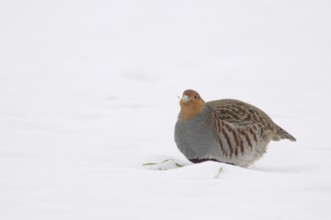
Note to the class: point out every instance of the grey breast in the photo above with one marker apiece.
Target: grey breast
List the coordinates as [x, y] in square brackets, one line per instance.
[195, 137]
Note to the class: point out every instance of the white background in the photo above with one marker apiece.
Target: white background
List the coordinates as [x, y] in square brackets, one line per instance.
[88, 93]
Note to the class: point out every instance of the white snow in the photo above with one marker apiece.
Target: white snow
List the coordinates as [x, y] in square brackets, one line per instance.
[88, 93]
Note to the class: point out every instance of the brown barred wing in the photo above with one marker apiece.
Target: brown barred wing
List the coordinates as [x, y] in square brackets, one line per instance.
[236, 140]
[241, 114]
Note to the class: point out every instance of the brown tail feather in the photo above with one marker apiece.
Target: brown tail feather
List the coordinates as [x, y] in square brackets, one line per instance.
[285, 135]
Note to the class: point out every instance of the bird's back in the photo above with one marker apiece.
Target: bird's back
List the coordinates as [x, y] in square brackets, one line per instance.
[241, 114]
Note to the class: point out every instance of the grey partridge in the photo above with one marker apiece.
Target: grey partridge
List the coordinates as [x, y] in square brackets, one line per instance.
[228, 131]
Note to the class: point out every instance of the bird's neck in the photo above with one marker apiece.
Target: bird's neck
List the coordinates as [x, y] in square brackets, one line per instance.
[189, 111]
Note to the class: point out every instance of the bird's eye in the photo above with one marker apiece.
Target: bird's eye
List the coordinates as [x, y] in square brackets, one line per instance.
[195, 96]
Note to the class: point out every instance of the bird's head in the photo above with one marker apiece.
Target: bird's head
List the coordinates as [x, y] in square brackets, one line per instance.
[191, 104]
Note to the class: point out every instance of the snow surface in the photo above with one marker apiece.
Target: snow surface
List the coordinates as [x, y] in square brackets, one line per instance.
[88, 93]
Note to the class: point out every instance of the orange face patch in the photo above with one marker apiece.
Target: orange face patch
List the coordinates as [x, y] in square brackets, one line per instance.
[191, 104]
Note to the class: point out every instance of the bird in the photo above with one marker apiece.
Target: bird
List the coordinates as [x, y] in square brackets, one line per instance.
[226, 131]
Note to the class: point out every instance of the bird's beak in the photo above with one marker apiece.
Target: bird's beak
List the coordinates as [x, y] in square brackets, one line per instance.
[185, 99]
